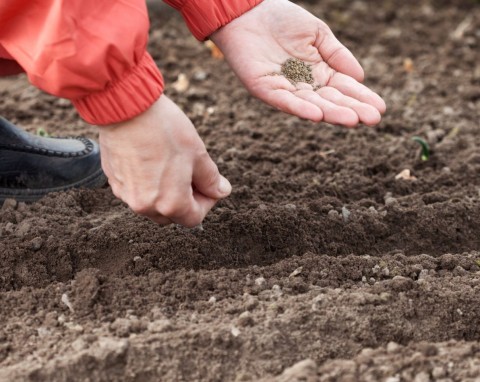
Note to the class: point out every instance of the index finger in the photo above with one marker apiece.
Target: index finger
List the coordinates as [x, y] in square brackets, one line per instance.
[352, 88]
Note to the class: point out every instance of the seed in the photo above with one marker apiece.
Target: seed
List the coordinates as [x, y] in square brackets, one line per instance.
[297, 71]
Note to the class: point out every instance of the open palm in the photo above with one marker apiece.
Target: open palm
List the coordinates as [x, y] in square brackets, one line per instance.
[257, 44]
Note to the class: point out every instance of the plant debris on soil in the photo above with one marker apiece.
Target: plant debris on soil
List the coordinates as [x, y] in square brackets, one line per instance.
[323, 264]
[297, 71]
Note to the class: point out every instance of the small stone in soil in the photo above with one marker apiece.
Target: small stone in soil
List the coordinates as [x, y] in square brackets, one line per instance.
[297, 71]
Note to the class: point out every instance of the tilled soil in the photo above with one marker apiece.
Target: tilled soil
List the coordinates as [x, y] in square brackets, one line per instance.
[321, 266]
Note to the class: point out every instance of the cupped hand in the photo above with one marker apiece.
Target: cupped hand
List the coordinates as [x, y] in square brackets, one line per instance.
[158, 165]
[257, 44]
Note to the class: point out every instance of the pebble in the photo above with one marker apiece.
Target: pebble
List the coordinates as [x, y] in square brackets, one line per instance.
[212, 300]
[260, 281]
[36, 243]
[423, 274]
[74, 327]
[296, 272]
[67, 302]
[333, 214]
[62, 319]
[9, 228]
[393, 379]
[391, 201]
[200, 76]
[245, 319]
[276, 291]
[345, 213]
[235, 331]
[393, 347]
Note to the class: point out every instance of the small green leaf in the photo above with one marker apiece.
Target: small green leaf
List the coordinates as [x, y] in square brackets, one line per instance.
[42, 132]
[425, 147]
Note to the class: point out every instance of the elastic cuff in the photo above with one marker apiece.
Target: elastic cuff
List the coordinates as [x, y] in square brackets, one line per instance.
[203, 17]
[124, 98]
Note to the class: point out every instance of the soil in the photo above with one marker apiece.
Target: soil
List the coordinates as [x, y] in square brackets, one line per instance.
[321, 266]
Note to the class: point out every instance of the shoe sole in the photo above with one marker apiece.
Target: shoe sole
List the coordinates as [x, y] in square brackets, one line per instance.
[96, 180]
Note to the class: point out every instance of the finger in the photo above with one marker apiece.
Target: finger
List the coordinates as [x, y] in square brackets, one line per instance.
[185, 206]
[366, 113]
[290, 103]
[160, 220]
[204, 203]
[200, 206]
[277, 92]
[207, 179]
[286, 101]
[332, 113]
[335, 54]
[354, 89]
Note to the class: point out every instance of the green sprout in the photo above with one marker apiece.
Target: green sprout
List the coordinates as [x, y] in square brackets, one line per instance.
[425, 148]
[42, 132]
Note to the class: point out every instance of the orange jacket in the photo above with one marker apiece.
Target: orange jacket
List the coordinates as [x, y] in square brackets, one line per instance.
[93, 52]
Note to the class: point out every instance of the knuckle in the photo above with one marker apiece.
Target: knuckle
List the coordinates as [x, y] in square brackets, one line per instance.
[173, 207]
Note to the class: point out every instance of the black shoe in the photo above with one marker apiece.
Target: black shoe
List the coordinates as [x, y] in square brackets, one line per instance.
[32, 166]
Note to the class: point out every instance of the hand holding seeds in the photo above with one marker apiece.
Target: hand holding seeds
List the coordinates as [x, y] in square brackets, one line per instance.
[291, 60]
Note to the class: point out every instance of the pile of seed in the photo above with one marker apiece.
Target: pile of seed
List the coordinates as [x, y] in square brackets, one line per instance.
[297, 71]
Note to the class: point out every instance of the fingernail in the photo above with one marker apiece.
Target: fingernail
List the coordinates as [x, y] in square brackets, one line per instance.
[224, 187]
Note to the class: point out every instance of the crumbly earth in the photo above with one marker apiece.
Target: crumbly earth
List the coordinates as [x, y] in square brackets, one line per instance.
[297, 71]
[321, 266]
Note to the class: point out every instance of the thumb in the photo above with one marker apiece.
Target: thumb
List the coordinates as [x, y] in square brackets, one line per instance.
[208, 181]
[338, 57]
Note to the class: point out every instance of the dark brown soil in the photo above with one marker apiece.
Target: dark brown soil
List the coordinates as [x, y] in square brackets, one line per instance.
[321, 265]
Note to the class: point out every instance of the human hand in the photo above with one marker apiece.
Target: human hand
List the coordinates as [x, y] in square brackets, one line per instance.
[159, 166]
[257, 44]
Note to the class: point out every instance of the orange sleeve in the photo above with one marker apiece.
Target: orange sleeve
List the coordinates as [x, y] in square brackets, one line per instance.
[92, 52]
[203, 17]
